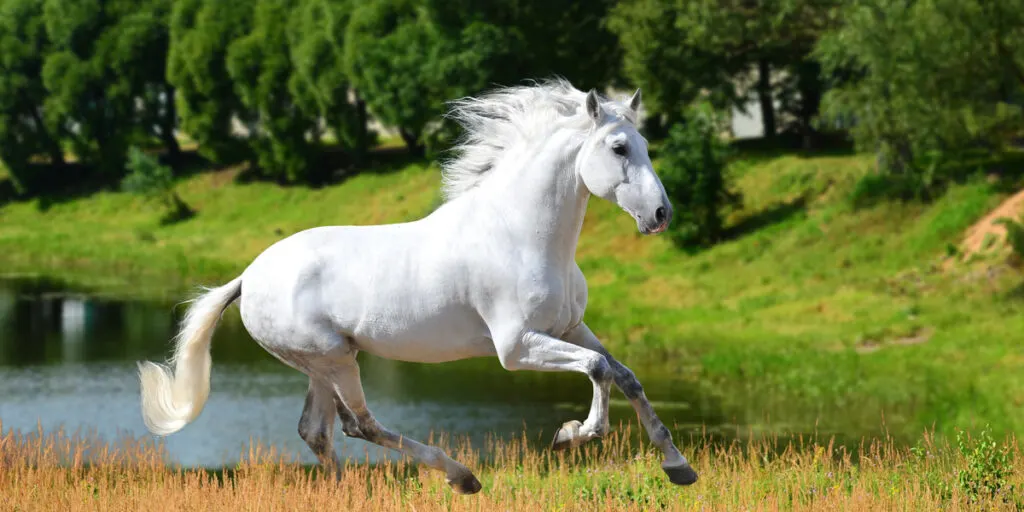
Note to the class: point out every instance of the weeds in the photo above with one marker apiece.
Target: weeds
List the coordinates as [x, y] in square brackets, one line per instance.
[988, 467]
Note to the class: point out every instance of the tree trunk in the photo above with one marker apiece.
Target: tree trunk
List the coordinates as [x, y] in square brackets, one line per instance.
[51, 143]
[362, 145]
[655, 127]
[412, 142]
[167, 126]
[810, 87]
[764, 96]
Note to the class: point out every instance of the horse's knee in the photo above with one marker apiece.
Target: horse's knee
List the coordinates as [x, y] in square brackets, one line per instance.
[599, 369]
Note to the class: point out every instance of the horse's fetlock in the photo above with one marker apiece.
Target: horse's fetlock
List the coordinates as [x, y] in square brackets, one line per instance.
[661, 434]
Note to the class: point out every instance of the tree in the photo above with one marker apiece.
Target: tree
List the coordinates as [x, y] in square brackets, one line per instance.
[768, 36]
[681, 49]
[407, 64]
[656, 59]
[318, 82]
[694, 175]
[259, 64]
[928, 77]
[541, 38]
[25, 132]
[200, 33]
[141, 42]
[85, 95]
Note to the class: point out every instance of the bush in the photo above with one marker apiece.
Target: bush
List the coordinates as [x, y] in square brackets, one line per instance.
[1014, 238]
[153, 181]
[694, 175]
[988, 470]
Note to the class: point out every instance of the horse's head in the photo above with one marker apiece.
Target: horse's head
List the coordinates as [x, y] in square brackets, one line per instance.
[613, 164]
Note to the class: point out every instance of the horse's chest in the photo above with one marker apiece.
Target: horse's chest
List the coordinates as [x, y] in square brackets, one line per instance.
[549, 303]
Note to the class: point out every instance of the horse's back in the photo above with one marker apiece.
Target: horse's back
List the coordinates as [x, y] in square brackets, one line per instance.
[394, 290]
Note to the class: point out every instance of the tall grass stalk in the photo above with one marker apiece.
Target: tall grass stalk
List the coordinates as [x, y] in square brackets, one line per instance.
[60, 471]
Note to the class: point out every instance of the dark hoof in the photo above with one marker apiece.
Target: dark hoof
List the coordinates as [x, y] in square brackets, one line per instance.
[681, 475]
[565, 435]
[466, 484]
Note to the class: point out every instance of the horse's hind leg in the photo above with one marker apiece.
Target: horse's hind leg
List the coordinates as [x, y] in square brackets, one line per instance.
[349, 389]
[316, 426]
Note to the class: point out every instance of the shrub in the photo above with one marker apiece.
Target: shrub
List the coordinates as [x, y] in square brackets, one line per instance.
[153, 181]
[694, 175]
[988, 469]
[1014, 238]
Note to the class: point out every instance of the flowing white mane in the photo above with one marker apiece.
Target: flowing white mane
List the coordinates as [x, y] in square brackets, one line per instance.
[497, 120]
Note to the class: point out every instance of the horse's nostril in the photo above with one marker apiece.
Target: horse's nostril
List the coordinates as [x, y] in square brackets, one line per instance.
[659, 214]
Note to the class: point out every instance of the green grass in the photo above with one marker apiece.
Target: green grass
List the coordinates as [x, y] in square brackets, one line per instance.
[814, 312]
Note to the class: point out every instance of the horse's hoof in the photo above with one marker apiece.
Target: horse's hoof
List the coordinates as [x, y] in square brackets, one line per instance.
[681, 475]
[569, 431]
[466, 484]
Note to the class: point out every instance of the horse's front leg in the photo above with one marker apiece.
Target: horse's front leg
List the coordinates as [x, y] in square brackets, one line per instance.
[541, 352]
[675, 464]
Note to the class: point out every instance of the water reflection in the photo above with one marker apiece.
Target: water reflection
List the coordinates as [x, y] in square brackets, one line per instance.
[68, 360]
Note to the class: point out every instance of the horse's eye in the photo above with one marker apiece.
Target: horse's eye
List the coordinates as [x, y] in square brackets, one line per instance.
[619, 149]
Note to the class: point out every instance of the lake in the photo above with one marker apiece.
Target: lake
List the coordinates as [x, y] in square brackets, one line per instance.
[68, 360]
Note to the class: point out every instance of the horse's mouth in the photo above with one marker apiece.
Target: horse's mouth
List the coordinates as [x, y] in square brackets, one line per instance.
[660, 228]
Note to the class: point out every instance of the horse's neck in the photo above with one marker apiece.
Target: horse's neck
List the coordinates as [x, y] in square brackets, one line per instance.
[539, 197]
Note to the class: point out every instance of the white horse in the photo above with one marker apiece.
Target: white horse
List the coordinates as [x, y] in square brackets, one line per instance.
[491, 272]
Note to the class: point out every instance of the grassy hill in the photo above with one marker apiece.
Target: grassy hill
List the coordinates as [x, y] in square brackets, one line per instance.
[816, 309]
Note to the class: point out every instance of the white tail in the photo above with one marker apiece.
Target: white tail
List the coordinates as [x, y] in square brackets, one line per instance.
[172, 400]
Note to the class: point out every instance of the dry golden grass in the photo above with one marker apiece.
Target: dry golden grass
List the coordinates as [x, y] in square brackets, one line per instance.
[65, 472]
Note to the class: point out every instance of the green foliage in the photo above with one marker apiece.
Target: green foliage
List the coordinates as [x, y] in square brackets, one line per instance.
[260, 67]
[1014, 236]
[407, 65]
[677, 50]
[86, 94]
[926, 78]
[140, 46]
[200, 33]
[146, 177]
[318, 82]
[671, 74]
[989, 465]
[541, 38]
[24, 129]
[693, 172]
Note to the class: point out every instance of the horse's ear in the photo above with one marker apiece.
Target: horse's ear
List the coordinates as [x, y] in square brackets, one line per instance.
[634, 102]
[593, 106]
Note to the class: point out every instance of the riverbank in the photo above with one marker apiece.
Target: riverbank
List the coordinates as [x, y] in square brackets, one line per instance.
[978, 473]
[814, 311]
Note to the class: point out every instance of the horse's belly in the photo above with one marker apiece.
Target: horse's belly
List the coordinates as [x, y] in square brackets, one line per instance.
[433, 339]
